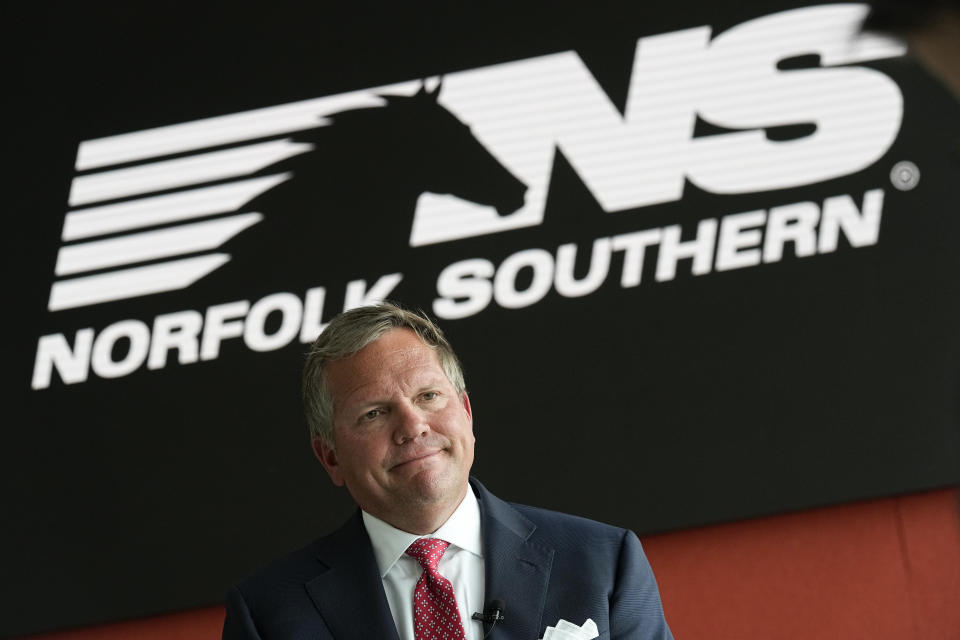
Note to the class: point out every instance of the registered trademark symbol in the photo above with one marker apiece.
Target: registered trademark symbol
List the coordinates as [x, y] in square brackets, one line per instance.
[905, 175]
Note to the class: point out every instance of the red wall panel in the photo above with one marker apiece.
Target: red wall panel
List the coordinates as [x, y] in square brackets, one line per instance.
[881, 569]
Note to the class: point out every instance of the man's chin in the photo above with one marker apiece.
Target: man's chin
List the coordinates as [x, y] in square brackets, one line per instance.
[431, 483]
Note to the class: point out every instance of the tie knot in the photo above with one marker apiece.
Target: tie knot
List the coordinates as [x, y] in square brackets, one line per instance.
[428, 552]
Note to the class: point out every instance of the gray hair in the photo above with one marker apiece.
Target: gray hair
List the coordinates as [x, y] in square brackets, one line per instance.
[350, 332]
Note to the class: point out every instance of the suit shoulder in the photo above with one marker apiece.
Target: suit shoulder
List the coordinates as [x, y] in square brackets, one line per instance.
[288, 571]
[575, 529]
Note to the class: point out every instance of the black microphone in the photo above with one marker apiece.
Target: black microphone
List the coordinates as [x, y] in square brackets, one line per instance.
[492, 614]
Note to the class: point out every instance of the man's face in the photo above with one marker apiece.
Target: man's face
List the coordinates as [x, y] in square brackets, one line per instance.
[403, 436]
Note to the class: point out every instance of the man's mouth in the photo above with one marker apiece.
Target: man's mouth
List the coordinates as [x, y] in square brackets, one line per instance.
[421, 455]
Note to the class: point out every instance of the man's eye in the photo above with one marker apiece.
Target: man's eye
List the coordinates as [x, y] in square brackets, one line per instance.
[373, 414]
[430, 395]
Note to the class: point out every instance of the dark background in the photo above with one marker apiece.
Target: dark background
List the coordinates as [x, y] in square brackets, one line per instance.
[784, 386]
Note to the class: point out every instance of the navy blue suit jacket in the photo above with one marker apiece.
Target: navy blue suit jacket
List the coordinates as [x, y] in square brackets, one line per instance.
[543, 565]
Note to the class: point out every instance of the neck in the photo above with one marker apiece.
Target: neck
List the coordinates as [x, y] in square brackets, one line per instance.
[423, 520]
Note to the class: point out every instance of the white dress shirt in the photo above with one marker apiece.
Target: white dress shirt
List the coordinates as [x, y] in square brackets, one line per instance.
[461, 564]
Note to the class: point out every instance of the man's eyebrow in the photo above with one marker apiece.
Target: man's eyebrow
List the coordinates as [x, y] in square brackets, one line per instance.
[434, 383]
[361, 404]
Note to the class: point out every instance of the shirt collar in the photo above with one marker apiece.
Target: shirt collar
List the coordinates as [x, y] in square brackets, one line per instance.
[461, 529]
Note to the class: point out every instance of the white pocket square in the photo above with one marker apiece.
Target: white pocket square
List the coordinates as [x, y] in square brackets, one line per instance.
[569, 631]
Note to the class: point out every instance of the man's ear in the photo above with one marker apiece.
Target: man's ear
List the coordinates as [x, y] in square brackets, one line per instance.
[466, 406]
[328, 458]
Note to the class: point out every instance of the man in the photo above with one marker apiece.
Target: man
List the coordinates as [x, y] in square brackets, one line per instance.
[390, 420]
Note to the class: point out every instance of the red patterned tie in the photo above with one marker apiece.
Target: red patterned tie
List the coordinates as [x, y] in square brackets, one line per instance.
[435, 613]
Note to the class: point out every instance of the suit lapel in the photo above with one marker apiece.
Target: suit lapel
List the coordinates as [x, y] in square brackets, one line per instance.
[349, 594]
[517, 570]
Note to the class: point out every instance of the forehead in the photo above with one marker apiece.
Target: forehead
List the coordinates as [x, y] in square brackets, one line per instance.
[397, 358]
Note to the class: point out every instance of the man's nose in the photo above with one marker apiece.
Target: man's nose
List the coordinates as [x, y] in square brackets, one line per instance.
[410, 424]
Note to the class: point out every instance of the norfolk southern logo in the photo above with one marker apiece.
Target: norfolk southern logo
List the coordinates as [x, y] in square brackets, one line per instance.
[161, 210]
